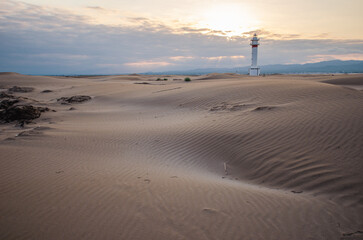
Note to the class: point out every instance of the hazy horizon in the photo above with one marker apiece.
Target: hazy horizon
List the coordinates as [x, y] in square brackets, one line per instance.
[94, 37]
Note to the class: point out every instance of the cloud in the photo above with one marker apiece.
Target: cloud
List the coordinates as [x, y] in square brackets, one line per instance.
[101, 10]
[219, 58]
[42, 40]
[270, 35]
[328, 57]
[138, 19]
[148, 64]
[181, 58]
[97, 8]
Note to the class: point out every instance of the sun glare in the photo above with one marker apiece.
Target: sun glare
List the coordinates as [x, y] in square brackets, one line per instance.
[229, 20]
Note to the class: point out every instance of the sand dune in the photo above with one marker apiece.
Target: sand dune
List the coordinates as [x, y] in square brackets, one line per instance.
[347, 80]
[221, 157]
[354, 82]
[212, 76]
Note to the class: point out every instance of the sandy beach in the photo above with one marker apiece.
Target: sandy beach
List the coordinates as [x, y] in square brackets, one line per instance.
[224, 156]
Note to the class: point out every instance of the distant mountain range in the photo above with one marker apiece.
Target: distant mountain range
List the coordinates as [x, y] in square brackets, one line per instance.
[335, 66]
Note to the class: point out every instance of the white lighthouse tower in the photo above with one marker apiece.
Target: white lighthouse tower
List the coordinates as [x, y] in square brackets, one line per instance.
[254, 69]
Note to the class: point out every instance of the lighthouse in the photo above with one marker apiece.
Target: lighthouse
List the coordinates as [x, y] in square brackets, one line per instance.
[254, 69]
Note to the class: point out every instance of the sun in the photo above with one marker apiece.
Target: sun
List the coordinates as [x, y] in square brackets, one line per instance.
[228, 19]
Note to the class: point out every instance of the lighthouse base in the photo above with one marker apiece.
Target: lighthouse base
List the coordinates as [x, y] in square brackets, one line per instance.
[254, 71]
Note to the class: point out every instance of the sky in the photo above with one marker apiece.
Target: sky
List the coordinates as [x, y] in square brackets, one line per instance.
[118, 36]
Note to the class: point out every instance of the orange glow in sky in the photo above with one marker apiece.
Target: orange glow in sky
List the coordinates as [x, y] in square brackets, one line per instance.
[333, 19]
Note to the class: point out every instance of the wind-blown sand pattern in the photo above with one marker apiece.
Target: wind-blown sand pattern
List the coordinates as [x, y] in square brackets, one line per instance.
[222, 157]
